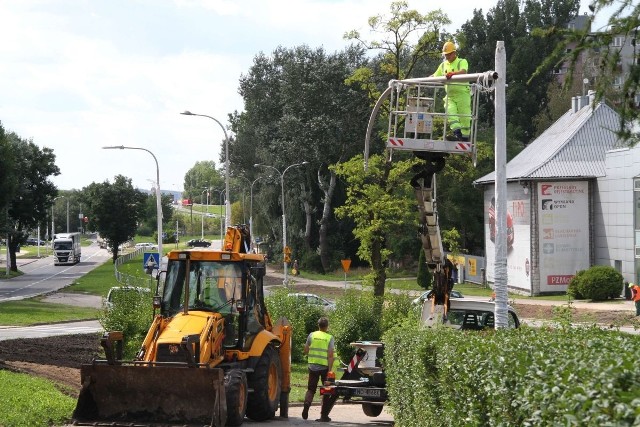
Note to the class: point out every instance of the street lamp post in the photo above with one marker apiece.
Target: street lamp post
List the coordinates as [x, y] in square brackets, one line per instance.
[53, 217]
[221, 193]
[227, 205]
[251, 213]
[158, 199]
[284, 217]
[202, 215]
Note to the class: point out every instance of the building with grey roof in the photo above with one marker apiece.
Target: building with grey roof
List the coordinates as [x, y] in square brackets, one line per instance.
[570, 198]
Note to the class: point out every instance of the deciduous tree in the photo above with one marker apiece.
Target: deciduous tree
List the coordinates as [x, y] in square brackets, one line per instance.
[116, 209]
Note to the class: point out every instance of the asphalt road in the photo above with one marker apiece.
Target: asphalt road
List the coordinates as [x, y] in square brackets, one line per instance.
[42, 277]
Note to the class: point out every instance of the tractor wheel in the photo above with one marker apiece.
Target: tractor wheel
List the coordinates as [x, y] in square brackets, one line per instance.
[266, 382]
[371, 410]
[236, 391]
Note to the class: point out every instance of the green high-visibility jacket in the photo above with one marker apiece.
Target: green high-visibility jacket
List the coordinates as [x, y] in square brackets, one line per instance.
[457, 65]
[319, 348]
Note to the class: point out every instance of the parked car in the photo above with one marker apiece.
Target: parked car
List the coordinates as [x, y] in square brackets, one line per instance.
[117, 293]
[470, 314]
[427, 294]
[314, 299]
[147, 245]
[193, 243]
[35, 242]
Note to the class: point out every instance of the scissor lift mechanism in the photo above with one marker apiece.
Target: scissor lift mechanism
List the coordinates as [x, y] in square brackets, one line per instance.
[415, 125]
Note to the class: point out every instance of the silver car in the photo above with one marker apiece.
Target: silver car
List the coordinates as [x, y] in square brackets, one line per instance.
[467, 314]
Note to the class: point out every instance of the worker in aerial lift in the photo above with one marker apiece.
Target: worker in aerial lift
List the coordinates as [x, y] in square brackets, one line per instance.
[458, 98]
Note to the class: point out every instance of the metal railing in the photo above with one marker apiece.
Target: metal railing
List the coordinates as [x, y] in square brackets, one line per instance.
[127, 279]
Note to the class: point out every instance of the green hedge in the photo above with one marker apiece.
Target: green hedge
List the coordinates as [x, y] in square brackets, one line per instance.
[524, 377]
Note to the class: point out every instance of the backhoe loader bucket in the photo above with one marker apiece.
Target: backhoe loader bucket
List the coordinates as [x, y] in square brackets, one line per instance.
[170, 394]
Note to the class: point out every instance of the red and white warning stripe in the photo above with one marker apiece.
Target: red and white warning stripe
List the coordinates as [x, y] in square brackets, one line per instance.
[355, 360]
[463, 146]
[396, 142]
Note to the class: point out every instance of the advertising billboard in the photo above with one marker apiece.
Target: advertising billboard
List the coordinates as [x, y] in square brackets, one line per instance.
[563, 212]
[518, 237]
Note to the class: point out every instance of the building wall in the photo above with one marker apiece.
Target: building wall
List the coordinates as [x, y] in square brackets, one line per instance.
[614, 210]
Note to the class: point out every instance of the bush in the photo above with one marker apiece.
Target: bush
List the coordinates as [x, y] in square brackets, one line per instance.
[356, 318]
[572, 290]
[303, 317]
[131, 313]
[518, 377]
[598, 283]
[424, 277]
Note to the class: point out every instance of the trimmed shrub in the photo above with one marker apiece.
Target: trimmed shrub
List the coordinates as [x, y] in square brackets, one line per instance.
[599, 283]
[518, 377]
[572, 290]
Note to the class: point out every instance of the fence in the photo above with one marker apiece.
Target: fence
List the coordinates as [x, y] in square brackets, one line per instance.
[471, 269]
[129, 280]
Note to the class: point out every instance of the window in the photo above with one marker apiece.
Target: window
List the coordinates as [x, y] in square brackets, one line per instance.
[618, 41]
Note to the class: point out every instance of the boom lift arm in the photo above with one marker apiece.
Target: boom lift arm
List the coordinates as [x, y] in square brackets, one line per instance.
[414, 125]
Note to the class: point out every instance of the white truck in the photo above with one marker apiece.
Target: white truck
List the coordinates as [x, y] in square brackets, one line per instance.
[66, 248]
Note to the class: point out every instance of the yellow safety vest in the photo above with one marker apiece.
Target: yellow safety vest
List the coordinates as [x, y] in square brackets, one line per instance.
[457, 65]
[319, 348]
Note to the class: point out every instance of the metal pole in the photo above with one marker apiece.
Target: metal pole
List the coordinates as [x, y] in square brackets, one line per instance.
[500, 282]
[227, 205]
[284, 217]
[67, 215]
[158, 199]
[202, 216]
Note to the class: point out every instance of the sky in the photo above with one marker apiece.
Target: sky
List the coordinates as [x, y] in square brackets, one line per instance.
[79, 75]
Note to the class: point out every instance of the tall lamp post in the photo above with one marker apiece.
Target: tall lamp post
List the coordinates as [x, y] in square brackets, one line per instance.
[202, 214]
[284, 217]
[53, 217]
[158, 199]
[227, 205]
[220, 193]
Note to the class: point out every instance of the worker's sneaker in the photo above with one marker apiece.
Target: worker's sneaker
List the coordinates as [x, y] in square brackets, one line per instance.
[324, 419]
[305, 411]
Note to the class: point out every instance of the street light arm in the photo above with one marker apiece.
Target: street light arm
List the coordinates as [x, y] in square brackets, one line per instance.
[158, 196]
[226, 162]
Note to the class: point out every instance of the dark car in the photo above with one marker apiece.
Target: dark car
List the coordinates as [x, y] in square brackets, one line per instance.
[34, 242]
[198, 243]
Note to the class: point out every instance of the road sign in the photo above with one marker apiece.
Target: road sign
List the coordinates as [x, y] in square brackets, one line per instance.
[287, 258]
[287, 250]
[150, 261]
[346, 263]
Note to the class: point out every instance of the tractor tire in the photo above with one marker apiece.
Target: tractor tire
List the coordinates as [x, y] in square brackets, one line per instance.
[266, 382]
[236, 390]
[371, 410]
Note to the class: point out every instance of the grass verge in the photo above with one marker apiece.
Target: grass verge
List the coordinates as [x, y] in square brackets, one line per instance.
[33, 311]
[32, 402]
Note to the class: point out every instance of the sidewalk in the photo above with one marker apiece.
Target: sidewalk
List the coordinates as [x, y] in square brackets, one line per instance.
[616, 305]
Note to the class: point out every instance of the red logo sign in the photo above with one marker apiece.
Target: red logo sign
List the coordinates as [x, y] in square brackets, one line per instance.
[546, 189]
[559, 280]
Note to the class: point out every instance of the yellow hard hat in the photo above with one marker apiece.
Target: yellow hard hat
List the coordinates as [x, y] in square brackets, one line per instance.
[448, 47]
[631, 285]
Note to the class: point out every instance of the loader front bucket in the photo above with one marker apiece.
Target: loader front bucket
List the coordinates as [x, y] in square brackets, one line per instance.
[170, 394]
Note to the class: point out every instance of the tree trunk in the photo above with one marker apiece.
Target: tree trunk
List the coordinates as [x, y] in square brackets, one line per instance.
[11, 248]
[308, 213]
[328, 190]
[377, 265]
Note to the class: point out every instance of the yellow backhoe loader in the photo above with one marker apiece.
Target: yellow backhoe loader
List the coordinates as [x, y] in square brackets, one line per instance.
[211, 356]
